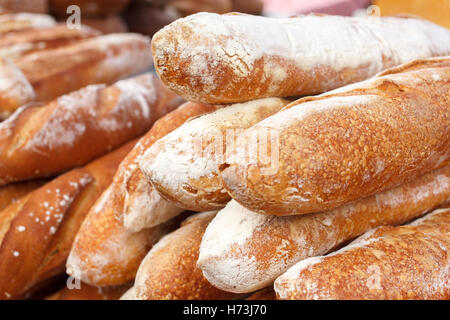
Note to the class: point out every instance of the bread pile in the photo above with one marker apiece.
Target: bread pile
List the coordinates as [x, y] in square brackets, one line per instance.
[310, 161]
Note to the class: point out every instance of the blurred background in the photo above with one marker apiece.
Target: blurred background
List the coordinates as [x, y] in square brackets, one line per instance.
[148, 16]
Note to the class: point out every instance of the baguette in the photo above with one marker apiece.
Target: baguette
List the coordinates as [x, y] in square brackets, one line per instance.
[406, 262]
[213, 58]
[103, 59]
[12, 22]
[37, 231]
[348, 144]
[258, 248]
[263, 294]
[78, 127]
[31, 6]
[89, 8]
[182, 166]
[104, 253]
[15, 89]
[141, 204]
[13, 192]
[17, 44]
[169, 271]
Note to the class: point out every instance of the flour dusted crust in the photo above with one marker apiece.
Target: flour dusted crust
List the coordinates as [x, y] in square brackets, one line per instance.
[169, 270]
[103, 59]
[243, 251]
[37, 231]
[40, 141]
[21, 21]
[349, 143]
[183, 165]
[15, 89]
[230, 58]
[406, 262]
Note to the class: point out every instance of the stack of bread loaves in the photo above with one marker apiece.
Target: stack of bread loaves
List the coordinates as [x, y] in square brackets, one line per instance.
[248, 188]
[278, 182]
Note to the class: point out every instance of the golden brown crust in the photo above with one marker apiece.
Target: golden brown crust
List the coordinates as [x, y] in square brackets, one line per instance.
[264, 294]
[263, 247]
[137, 216]
[109, 24]
[39, 141]
[13, 192]
[103, 59]
[16, 90]
[87, 292]
[169, 270]
[296, 59]
[104, 231]
[37, 231]
[17, 44]
[406, 262]
[13, 22]
[89, 8]
[350, 143]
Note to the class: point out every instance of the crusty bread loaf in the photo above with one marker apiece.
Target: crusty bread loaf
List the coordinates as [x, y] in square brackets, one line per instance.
[76, 128]
[130, 294]
[169, 270]
[37, 231]
[15, 89]
[17, 44]
[103, 59]
[243, 251]
[87, 292]
[406, 262]
[12, 22]
[349, 143]
[13, 192]
[182, 166]
[89, 8]
[213, 58]
[188, 7]
[109, 24]
[141, 204]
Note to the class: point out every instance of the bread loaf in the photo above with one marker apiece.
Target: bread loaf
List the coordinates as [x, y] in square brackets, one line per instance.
[213, 58]
[37, 231]
[78, 127]
[347, 144]
[243, 251]
[103, 59]
[169, 270]
[33, 6]
[17, 44]
[15, 89]
[182, 166]
[141, 204]
[87, 292]
[406, 262]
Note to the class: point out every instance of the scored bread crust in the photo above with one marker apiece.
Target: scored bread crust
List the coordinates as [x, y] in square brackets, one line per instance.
[405, 262]
[169, 270]
[243, 251]
[37, 231]
[103, 59]
[213, 58]
[349, 143]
